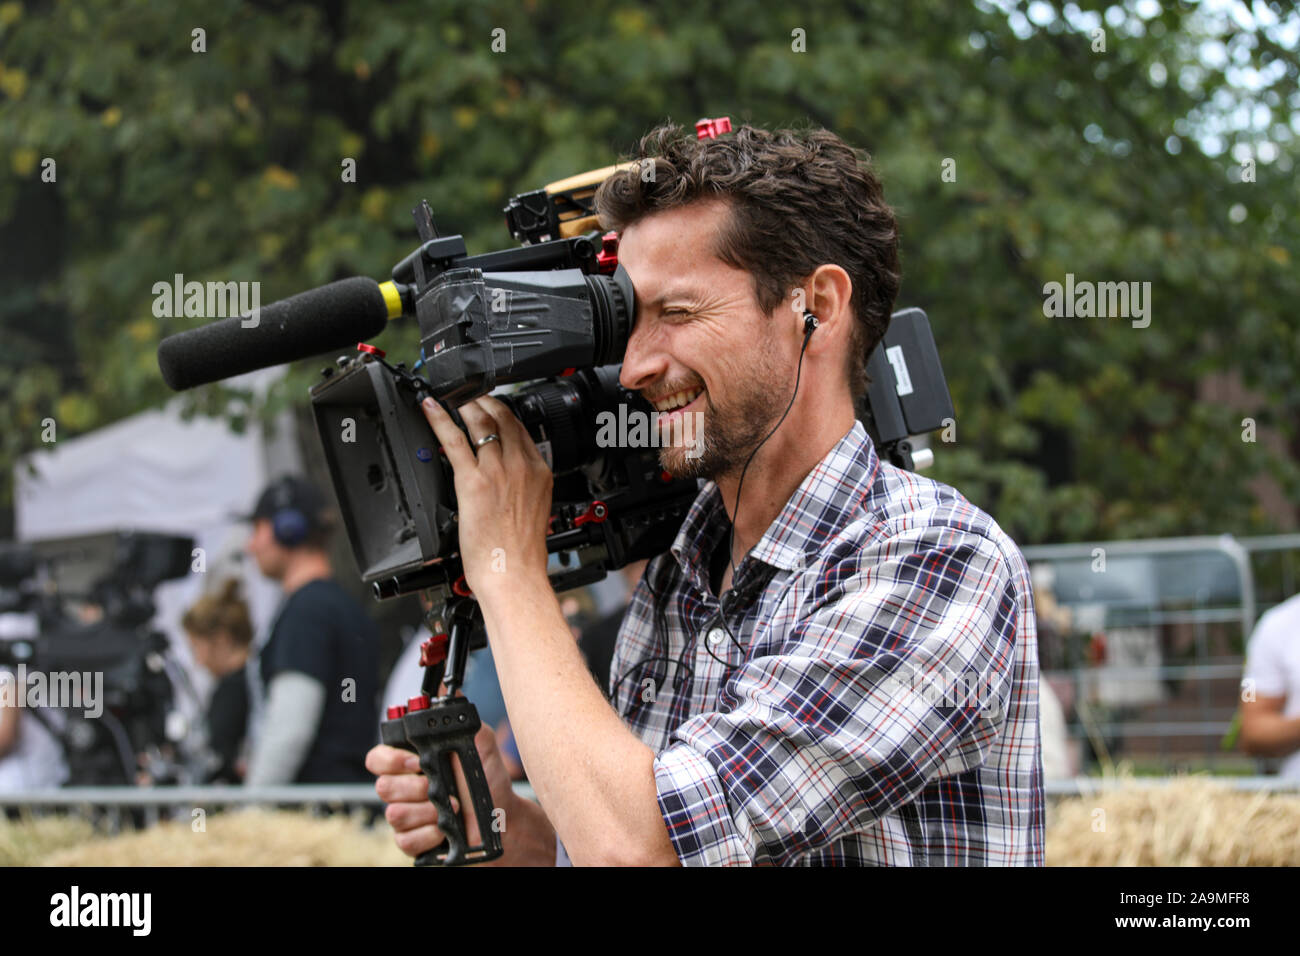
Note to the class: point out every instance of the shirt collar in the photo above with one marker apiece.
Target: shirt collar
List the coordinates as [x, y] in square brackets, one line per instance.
[826, 500]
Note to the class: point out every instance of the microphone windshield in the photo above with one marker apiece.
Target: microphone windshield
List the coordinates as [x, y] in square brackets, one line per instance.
[326, 319]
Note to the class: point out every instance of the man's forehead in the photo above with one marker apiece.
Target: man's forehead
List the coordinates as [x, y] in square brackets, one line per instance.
[671, 254]
[659, 277]
[700, 220]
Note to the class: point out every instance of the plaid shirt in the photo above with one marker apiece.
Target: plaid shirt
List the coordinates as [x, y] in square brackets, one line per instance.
[879, 702]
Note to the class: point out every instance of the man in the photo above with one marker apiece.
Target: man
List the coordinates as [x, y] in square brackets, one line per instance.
[319, 667]
[1270, 719]
[866, 692]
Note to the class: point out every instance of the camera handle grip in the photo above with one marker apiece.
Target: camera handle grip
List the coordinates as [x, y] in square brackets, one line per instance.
[448, 726]
[437, 727]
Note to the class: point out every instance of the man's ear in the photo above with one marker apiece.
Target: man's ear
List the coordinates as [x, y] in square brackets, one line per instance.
[830, 291]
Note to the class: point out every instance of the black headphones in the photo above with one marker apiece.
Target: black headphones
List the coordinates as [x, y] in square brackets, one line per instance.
[289, 525]
[810, 323]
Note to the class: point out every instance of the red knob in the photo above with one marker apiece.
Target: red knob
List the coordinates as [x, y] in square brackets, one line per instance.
[434, 650]
[607, 258]
[395, 712]
[421, 702]
[597, 511]
[712, 128]
[363, 347]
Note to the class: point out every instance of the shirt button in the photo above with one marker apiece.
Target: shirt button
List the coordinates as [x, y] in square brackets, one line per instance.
[716, 636]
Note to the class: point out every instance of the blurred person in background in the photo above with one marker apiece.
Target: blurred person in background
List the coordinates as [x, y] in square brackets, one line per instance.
[31, 757]
[1270, 720]
[319, 669]
[220, 633]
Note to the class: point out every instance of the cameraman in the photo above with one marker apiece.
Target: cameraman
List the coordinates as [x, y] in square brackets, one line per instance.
[320, 665]
[778, 721]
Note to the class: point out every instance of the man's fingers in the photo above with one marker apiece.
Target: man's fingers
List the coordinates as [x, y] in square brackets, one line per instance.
[417, 841]
[405, 787]
[477, 420]
[383, 759]
[410, 816]
[453, 441]
[511, 429]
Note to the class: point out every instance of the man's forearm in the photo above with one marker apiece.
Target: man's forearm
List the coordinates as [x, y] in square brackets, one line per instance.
[294, 706]
[592, 775]
[1272, 735]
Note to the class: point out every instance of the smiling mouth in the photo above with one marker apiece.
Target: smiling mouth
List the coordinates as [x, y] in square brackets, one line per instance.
[677, 400]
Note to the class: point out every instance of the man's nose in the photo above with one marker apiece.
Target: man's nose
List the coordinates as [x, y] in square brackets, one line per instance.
[643, 360]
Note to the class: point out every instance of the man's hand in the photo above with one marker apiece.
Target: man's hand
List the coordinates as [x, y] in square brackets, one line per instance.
[415, 820]
[503, 493]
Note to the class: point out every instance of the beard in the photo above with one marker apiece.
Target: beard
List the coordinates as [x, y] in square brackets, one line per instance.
[729, 434]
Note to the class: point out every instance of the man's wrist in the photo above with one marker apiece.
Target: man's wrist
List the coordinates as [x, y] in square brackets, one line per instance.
[507, 576]
[503, 593]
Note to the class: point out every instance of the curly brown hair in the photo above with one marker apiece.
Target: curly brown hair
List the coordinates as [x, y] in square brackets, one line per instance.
[799, 198]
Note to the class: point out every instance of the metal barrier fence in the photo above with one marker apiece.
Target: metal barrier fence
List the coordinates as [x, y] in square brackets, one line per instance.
[1199, 589]
[1150, 659]
[111, 807]
[1086, 786]
[362, 795]
[303, 794]
[1270, 591]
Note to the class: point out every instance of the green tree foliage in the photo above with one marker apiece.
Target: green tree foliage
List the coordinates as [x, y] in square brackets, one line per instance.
[1122, 164]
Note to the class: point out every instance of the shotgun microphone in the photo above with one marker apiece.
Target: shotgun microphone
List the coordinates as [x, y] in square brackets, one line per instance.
[325, 319]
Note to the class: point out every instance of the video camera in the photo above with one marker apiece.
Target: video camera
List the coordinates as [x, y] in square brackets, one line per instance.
[555, 313]
[560, 311]
[111, 577]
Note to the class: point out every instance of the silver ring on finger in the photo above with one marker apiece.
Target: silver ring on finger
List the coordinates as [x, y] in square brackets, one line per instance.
[490, 437]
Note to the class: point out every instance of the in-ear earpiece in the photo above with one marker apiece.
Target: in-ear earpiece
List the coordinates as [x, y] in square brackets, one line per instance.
[809, 323]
